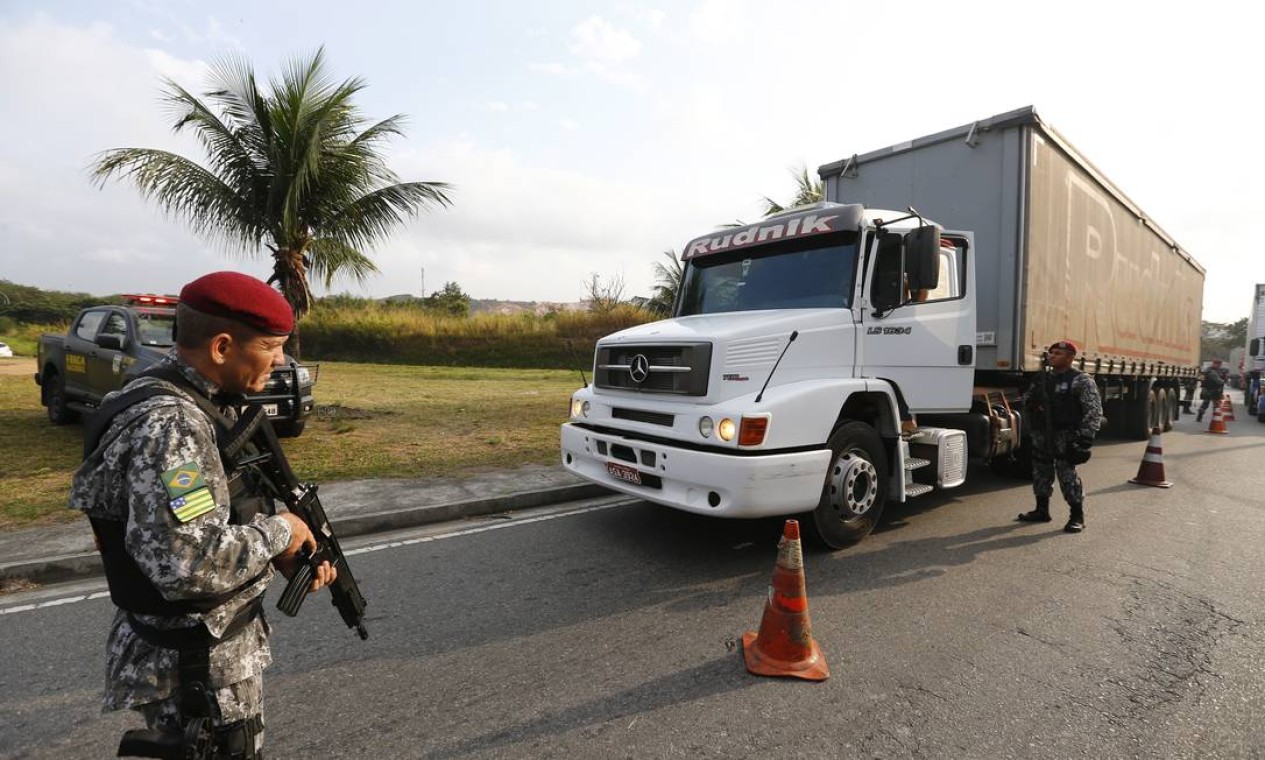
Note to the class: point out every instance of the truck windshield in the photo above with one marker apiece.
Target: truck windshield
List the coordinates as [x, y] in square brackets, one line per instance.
[816, 273]
[155, 328]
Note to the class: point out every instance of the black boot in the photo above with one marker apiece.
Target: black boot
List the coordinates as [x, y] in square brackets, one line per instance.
[1075, 521]
[1040, 514]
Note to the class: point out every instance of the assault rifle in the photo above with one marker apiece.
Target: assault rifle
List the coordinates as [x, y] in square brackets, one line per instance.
[253, 443]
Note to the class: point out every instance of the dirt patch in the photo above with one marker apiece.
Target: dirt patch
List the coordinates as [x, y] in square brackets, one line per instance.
[22, 365]
[335, 412]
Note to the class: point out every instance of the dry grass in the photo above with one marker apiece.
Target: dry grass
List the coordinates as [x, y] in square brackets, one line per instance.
[372, 421]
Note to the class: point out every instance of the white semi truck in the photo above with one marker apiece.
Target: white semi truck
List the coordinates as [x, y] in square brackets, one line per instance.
[1254, 356]
[798, 343]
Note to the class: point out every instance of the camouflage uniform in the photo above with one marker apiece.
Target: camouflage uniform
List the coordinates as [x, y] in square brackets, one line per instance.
[1049, 461]
[203, 556]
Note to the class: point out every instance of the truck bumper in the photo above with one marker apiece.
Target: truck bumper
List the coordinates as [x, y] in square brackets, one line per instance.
[707, 483]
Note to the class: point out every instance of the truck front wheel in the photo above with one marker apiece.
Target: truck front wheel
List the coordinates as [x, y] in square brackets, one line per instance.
[55, 400]
[855, 491]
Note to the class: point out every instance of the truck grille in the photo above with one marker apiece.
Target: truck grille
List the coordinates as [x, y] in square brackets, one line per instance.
[679, 368]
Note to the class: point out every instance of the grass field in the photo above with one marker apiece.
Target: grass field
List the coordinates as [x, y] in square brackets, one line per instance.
[372, 421]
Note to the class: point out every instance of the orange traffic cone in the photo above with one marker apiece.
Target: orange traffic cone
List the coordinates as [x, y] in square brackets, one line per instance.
[1227, 408]
[1217, 425]
[1151, 471]
[784, 646]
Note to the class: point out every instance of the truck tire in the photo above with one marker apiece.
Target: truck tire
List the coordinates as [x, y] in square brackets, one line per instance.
[1139, 417]
[289, 428]
[55, 399]
[855, 491]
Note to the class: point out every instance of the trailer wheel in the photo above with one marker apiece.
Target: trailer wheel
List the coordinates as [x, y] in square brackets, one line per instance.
[855, 490]
[55, 399]
[1139, 417]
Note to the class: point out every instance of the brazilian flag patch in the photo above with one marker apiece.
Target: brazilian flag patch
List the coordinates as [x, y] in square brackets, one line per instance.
[189, 494]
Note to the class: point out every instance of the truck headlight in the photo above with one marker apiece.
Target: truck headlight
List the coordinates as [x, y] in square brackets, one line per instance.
[726, 429]
[304, 375]
[579, 408]
[705, 427]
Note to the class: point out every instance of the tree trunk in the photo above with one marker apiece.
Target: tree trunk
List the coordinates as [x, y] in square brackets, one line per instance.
[289, 272]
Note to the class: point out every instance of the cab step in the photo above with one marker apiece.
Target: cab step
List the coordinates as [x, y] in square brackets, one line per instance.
[917, 489]
[913, 463]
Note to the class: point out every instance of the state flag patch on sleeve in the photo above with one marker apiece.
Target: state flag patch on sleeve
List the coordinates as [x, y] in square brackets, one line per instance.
[188, 492]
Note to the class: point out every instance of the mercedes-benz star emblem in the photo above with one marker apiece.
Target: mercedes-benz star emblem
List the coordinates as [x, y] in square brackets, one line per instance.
[639, 369]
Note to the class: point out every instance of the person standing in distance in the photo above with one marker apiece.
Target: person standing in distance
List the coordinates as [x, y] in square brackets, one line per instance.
[187, 548]
[1213, 388]
[1064, 412]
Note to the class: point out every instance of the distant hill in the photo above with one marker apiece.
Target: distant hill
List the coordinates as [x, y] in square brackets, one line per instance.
[492, 306]
[489, 306]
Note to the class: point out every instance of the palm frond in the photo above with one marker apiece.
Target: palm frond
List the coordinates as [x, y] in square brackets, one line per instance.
[181, 188]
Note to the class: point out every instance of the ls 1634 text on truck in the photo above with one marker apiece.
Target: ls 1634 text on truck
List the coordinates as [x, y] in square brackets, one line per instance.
[108, 345]
[776, 387]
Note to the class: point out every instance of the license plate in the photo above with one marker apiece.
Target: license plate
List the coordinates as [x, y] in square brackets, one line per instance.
[270, 410]
[624, 473]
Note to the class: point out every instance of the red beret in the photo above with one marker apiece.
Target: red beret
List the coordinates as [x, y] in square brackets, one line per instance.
[1065, 345]
[241, 298]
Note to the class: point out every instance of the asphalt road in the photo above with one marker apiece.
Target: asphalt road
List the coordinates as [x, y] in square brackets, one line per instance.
[608, 629]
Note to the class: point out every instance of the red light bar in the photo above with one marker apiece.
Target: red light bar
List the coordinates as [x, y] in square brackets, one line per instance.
[151, 300]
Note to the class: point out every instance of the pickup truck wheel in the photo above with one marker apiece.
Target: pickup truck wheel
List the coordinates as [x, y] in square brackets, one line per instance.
[289, 428]
[855, 491]
[55, 400]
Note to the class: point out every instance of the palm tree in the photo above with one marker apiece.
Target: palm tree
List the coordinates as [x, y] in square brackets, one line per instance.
[288, 168]
[667, 284]
[807, 191]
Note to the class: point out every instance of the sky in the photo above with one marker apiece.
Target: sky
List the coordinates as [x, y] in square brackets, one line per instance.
[587, 138]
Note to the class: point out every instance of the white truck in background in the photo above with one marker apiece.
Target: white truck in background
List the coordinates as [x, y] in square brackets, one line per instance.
[778, 385]
[1254, 356]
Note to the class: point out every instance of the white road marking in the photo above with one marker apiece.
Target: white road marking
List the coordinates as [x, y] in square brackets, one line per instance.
[531, 516]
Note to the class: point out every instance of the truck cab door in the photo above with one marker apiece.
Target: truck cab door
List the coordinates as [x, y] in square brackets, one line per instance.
[79, 346]
[105, 360]
[921, 338]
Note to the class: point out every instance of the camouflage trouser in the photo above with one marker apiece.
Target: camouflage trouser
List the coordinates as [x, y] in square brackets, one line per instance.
[239, 701]
[1204, 406]
[1046, 466]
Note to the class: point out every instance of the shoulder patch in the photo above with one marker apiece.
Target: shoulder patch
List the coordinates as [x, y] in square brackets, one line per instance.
[183, 479]
[189, 494]
[193, 504]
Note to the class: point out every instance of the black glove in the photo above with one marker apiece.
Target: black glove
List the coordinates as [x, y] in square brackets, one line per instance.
[1078, 452]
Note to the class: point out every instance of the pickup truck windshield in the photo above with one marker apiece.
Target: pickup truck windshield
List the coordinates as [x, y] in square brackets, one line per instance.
[816, 273]
[155, 328]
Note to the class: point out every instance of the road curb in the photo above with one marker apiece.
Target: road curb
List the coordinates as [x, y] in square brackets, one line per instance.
[70, 567]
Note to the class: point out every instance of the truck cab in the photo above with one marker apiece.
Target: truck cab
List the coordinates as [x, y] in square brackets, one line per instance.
[796, 347]
[107, 346]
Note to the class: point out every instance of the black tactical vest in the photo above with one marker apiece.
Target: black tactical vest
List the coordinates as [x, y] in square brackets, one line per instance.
[130, 589]
[1065, 403]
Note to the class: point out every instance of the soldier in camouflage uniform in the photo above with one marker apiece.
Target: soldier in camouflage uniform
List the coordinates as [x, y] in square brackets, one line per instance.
[164, 509]
[1064, 413]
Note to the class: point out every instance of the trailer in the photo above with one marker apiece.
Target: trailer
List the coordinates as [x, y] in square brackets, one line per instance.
[1061, 253]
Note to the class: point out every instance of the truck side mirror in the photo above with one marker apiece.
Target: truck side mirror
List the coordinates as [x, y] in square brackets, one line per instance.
[112, 341]
[1254, 348]
[922, 258]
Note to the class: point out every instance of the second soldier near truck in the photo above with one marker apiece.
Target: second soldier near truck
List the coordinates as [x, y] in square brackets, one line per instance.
[1064, 412]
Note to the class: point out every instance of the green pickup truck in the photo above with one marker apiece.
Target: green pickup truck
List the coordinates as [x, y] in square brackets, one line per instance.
[108, 345]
